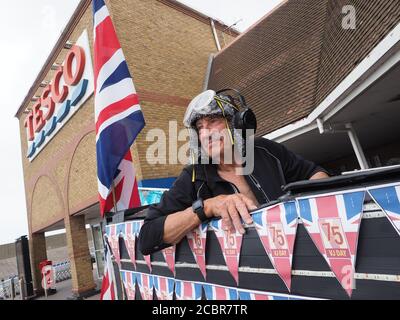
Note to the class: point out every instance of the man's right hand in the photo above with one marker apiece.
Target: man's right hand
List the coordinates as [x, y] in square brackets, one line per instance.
[230, 208]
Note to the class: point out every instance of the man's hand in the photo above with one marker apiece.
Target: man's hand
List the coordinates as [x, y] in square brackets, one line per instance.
[319, 175]
[230, 208]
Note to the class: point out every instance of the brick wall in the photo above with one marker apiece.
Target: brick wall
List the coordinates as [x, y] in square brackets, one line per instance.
[291, 60]
[275, 64]
[344, 49]
[167, 52]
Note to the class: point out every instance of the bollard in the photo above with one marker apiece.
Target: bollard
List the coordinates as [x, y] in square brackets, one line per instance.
[22, 292]
[12, 289]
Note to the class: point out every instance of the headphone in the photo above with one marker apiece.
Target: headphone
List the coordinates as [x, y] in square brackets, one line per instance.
[243, 119]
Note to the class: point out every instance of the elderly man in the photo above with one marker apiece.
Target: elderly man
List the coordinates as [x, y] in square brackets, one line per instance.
[221, 188]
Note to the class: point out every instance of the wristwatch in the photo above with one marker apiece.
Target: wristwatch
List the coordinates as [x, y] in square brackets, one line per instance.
[198, 208]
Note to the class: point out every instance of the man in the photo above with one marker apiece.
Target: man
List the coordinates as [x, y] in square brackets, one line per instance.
[221, 188]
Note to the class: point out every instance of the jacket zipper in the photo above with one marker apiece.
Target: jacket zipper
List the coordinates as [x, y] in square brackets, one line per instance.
[255, 181]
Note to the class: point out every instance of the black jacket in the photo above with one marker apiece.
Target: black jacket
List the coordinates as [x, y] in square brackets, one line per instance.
[274, 166]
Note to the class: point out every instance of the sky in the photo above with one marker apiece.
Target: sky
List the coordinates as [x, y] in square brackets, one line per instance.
[28, 32]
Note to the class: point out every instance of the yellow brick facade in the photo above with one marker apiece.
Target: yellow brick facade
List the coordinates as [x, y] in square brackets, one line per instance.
[167, 51]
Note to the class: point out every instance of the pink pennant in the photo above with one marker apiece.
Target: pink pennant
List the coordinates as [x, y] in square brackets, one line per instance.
[164, 288]
[146, 286]
[114, 244]
[231, 243]
[276, 228]
[169, 256]
[333, 223]
[130, 285]
[147, 257]
[130, 241]
[197, 242]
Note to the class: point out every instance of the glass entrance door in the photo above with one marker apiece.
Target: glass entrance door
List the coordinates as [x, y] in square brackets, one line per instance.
[98, 249]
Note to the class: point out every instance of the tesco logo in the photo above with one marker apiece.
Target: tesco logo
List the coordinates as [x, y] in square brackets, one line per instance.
[58, 98]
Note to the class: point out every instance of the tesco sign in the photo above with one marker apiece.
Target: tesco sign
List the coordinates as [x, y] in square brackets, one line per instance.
[70, 87]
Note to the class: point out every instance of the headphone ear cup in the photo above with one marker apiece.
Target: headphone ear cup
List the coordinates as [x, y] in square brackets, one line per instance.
[245, 119]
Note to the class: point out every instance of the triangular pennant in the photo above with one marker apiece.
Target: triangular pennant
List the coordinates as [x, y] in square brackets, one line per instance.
[164, 287]
[169, 256]
[333, 222]
[113, 240]
[145, 283]
[197, 242]
[129, 281]
[231, 243]
[215, 292]
[147, 258]
[388, 199]
[276, 227]
[130, 241]
[187, 290]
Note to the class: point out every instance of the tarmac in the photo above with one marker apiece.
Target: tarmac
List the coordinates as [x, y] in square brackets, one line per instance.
[64, 291]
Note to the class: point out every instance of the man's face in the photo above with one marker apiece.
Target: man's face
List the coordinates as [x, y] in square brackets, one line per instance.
[213, 136]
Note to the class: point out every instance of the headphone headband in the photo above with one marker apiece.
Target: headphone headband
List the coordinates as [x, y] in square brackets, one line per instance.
[241, 98]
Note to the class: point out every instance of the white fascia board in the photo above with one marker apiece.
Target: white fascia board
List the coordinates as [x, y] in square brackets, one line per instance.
[377, 63]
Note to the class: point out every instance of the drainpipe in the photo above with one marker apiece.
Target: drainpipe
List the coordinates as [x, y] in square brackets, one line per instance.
[208, 72]
[356, 146]
[215, 34]
[355, 142]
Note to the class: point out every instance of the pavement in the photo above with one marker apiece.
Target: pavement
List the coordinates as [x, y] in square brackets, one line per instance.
[64, 290]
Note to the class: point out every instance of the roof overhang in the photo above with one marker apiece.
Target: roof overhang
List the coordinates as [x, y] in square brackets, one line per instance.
[381, 59]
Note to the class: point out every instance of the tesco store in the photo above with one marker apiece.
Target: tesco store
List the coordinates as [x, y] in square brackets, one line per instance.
[56, 118]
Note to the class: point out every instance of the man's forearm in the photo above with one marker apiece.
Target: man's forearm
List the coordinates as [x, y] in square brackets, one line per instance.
[178, 224]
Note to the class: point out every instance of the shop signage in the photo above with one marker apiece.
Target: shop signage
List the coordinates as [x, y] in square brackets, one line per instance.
[70, 87]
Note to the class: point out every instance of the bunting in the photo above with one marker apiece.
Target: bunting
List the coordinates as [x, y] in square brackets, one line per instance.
[112, 232]
[388, 199]
[187, 290]
[276, 227]
[130, 240]
[164, 287]
[231, 243]
[169, 256]
[333, 221]
[146, 283]
[197, 239]
[129, 281]
[215, 292]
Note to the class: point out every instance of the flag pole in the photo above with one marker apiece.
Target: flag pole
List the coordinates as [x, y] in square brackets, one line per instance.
[116, 210]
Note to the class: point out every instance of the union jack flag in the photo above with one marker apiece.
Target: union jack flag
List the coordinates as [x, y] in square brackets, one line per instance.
[214, 292]
[333, 222]
[118, 116]
[108, 286]
[187, 290]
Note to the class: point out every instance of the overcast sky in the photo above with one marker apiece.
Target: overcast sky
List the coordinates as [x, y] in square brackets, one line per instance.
[28, 31]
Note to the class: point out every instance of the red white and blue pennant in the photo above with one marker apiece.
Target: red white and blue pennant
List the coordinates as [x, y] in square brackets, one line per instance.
[333, 222]
[276, 227]
[387, 197]
[197, 242]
